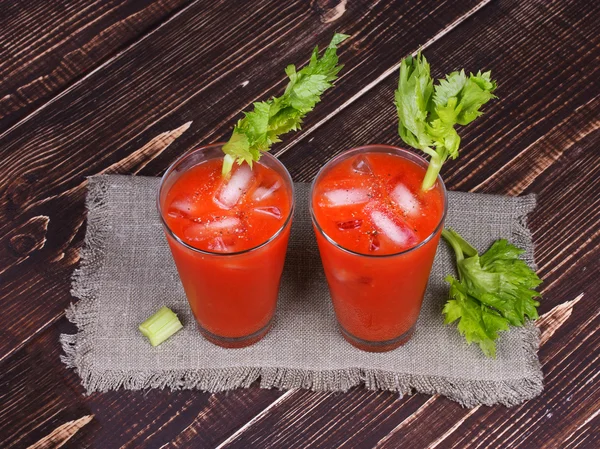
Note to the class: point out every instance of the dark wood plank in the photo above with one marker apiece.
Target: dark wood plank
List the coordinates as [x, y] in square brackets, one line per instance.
[328, 420]
[34, 399]
[586, 435]
[48, 45]
[178, 72]
[44, 402]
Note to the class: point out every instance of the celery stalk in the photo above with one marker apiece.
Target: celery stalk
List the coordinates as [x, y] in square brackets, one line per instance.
[160, 326]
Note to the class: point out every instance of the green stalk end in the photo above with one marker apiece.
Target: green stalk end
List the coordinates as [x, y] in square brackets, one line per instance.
[160, 326]
[433, 170]
[448, 235]
[460, 246]
[228, 161]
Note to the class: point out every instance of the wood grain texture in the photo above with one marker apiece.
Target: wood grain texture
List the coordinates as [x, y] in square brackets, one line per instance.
[48, 45]
[42, 401]
[35, 400]
[541, 136]
[62, 434]
[176, 72]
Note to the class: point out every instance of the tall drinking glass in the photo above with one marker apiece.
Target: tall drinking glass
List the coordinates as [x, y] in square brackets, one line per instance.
[377, 234]
[228, 238]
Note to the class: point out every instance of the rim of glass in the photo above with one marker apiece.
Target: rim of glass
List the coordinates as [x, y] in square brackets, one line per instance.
[373, 148]
[212, 253]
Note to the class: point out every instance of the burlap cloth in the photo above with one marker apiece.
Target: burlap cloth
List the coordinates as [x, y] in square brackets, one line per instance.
[127, 273]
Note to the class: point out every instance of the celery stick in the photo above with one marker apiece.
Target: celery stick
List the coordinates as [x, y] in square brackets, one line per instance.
[160, 326]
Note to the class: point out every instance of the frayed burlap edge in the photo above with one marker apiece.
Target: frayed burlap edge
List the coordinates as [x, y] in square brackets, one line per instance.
[86, 279]
[469, 393]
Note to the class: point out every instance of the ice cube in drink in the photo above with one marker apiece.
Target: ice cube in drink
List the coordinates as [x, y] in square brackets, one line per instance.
[183, 207]
[392, 227]
[405, 199]
[361, 165]
[345, 197]
[263, 192]
[234, 187]
[206, 229]
[270, 211]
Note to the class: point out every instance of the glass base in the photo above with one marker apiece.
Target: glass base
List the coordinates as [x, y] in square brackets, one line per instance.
[377, 346]
[236, 342]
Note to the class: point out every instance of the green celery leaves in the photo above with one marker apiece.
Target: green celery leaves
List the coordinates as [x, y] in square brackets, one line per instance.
[428, 113]
[494, 290]
[261, 128]
[413, 95]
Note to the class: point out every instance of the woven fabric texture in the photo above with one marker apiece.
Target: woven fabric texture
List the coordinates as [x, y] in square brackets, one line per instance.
[127, 273]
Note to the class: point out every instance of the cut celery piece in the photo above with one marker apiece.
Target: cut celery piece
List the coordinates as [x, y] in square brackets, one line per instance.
[160, 326]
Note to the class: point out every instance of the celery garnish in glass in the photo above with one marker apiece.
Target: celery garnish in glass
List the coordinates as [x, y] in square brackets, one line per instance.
[428, 113]
[260, 128]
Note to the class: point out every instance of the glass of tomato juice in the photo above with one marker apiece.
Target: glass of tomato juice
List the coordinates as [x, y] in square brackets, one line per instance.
[228, 237]
[377, 233]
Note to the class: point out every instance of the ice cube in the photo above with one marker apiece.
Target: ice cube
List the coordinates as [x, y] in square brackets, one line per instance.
[404, 198]
[219, 245]
[361, 165]
[272, 211]
[263, 192]
[181, 208]
[233, 188]
[373, 242]
[349, 224]
[346, 197]
[203, 230]
[225, 223]
[195, 232]
[175, 213]
[391, 228]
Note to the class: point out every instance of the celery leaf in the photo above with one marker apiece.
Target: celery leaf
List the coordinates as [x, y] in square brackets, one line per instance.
[263, 126]
[493, 290]
[428, 113]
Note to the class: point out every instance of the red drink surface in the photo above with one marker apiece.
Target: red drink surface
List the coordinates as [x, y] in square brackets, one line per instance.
[360, 198]
[371, 203]
[201, 213]
[233, 295]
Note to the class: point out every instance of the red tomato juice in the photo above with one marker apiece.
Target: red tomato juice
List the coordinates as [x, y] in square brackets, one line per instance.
[377, 233]
[228, 237]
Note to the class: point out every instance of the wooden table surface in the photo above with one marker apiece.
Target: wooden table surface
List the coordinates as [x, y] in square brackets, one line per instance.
[88, 85]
